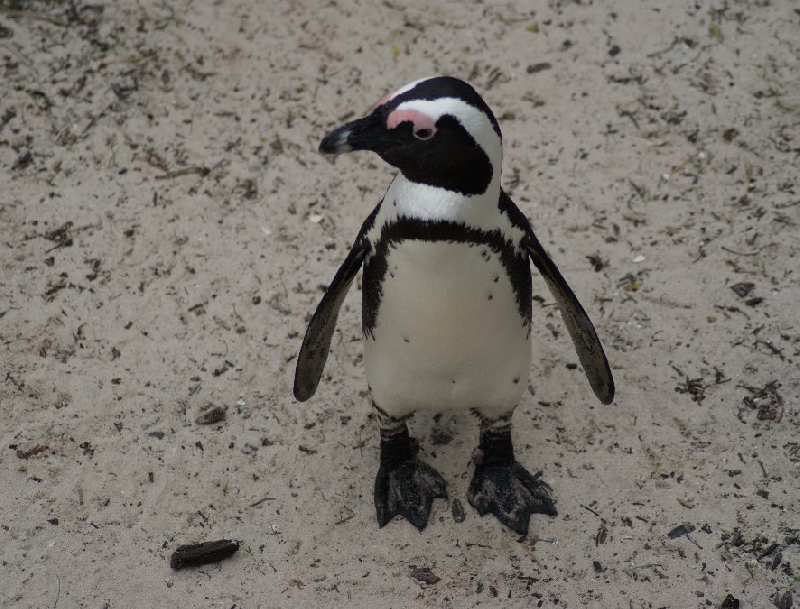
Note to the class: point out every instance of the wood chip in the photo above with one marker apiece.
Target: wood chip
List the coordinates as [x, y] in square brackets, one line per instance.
[196, 554]
[209, 417]
[680, 530]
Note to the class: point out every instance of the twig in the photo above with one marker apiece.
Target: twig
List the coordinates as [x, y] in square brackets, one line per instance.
[260, 501]
[197, 169]
[21, 58]
[346, 517]
[647, 566]
[585, 507]
[35, 15]
[675, 42]
[58, 592]
[730, 251]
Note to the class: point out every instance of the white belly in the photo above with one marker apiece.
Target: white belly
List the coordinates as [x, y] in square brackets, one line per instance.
[449, 333]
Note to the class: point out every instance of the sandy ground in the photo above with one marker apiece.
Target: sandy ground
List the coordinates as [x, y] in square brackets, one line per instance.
[167, 227]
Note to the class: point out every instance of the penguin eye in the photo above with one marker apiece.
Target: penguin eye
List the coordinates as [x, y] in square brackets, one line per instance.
[423, 134]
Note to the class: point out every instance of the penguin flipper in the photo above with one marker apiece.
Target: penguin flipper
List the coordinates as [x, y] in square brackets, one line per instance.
[584, 336]
[317, 341]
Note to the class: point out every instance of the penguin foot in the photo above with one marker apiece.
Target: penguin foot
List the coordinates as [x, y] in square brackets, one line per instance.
[503, 487]
[405, 486]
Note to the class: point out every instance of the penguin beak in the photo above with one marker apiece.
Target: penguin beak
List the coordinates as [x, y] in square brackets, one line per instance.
[368, 133]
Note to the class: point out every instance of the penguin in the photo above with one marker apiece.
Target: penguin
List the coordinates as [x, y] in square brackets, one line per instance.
[446, 300]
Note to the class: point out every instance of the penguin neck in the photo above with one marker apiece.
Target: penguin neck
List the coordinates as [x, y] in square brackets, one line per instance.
[432, 203]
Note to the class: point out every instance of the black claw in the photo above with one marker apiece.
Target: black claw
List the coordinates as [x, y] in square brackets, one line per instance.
[405, 486]
[503, 487]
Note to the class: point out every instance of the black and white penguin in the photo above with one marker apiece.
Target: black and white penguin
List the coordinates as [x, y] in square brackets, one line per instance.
[446, 299]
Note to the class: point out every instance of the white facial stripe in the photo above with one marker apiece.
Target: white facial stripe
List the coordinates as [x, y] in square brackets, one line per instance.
[392, 94]
[473, 120]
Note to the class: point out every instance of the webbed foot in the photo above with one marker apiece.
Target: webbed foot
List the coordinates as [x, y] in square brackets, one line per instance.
[503, 487]
[405, 486]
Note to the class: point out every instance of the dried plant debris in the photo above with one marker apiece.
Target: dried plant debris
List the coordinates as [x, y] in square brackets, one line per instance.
[598, 262]
[61, 236]
[226, 365]
[783, 600]
[770, 552]
[424, 575]
[730, 602]
[697, 387]
[196, 554]
[601, 535]
[743, 289]
[29, 452]
[694, 387]
[458, 511]
[345, 514]
[765, 401]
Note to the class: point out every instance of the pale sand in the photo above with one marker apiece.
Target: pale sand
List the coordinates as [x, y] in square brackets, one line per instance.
[662, 140]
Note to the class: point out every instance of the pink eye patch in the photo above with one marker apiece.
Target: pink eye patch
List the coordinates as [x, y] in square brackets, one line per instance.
[423, 125]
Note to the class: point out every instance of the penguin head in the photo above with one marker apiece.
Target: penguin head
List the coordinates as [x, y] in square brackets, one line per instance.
[437, 131]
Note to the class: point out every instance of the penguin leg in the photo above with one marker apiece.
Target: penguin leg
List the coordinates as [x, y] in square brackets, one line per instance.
[501, 485]
[405, 486]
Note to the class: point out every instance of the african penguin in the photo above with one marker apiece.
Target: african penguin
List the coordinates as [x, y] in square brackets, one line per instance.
[446, 299]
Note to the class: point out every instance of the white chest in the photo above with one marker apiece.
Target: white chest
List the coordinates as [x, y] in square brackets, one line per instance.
[448, 332]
